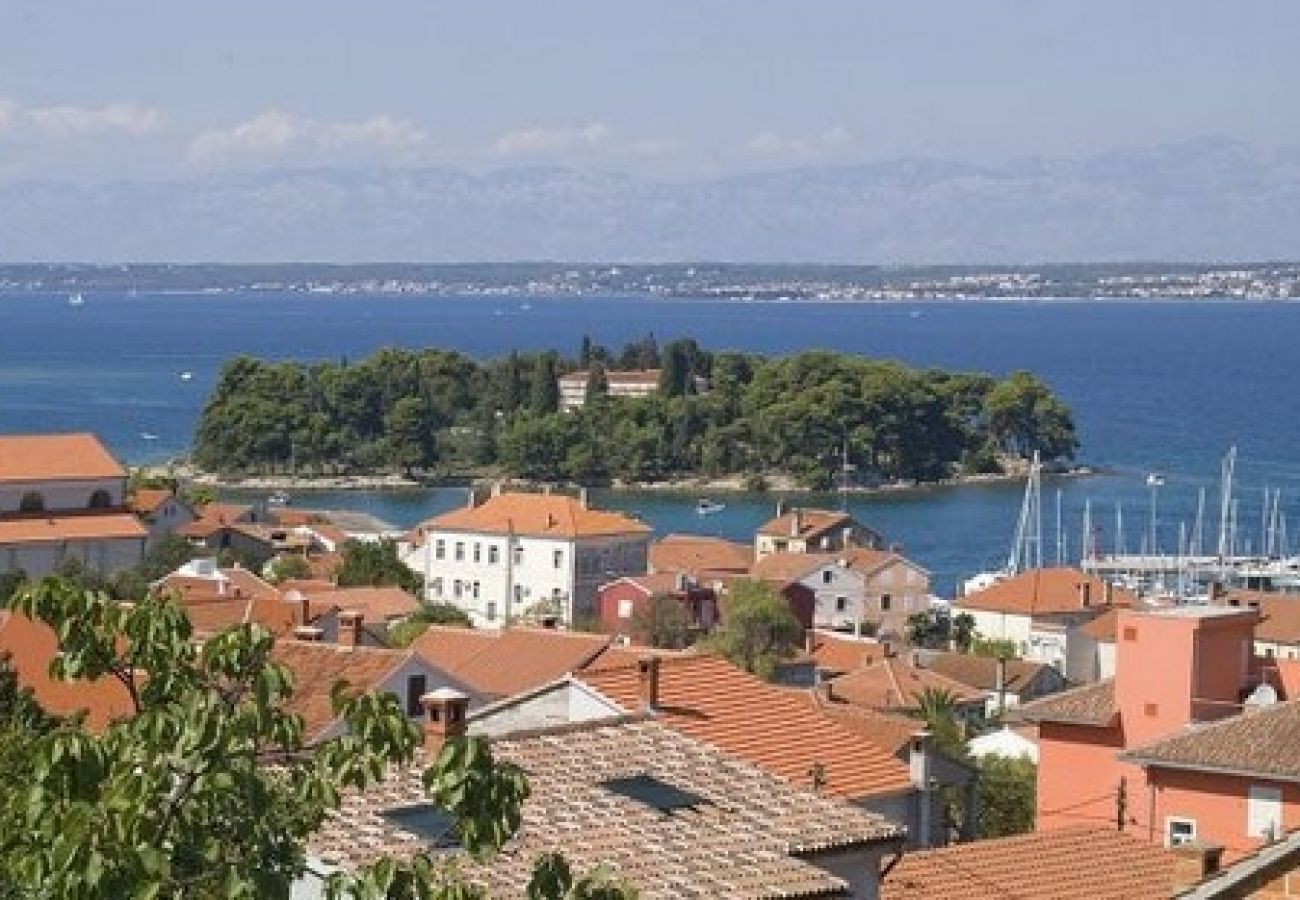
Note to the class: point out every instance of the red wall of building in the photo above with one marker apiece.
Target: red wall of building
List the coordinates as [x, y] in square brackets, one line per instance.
[1078, 776]
[1217, 803]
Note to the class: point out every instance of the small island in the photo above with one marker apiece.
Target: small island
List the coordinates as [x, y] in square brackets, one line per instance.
[648, 415]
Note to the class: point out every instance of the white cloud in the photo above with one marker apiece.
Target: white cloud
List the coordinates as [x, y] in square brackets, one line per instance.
[68, 121]
[800, 146]
[278, 134]
[592, 139]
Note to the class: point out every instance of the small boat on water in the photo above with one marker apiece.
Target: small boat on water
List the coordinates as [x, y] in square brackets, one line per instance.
[279, 498]
[186, 375]
[148, 436]
[706, 507]
[76, 300]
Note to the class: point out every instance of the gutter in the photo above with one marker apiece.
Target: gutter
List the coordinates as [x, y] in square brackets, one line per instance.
[1157, 763]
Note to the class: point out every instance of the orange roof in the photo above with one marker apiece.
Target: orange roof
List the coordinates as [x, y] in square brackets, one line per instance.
[775, 728]
[246, 598]
[654, 583]
[785, 568]
[1061, 864]
[316, 667]
[888, 731]
[1279, 621]
[55, 457]
[694, 554]
[536, 515]
[893, 683]
[32, 645]
[145, 501]
[1103, 628]
[812, 523]
[1048, 591]
[839, 653]
[86, 527]
[510, 660]
[376, 604]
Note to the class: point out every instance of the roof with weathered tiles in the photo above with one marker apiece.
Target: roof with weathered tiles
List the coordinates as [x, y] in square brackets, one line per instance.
[316, 667]
[696, 554]
[806, 524]
[1258, 743]
[742, 837]
[1047, 591]
[894, 683]
[1279, 619]
[509, 660]
[981, 672]
[56, 457]
[773, 727]
[1061, 864]
[843, 653]
[534, 515]
[81, 527]
[1091, 704]
[377, 605]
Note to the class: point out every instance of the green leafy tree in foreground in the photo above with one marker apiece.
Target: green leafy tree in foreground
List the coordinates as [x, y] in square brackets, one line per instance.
[758, 630]
[207, 789]
[1007, 796]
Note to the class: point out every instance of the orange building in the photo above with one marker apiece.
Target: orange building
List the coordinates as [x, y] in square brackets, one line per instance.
[1186, 743]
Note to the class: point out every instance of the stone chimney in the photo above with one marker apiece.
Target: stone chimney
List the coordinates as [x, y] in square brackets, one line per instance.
[308, 633]
[304, 609]
[1197, 861]
[920, 752]
[496, 489]
[647, 672]
[1085, 593]
[444, 714]
[350, 627]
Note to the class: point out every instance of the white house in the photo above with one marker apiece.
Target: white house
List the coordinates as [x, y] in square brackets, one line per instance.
[529, 557]
[62, 497]
[622, 383]
[160, 511]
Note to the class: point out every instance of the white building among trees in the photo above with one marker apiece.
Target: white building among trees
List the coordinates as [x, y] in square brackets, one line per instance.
[525, 557]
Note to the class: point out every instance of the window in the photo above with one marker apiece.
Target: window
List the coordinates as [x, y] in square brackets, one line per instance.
[494, 555]
[557, 558]
[440, 549]
[437, 587]
[457, 589]
[841, 604]
[416, 685]
[32, 501]
[886, 601]
[491, 611]
[1151, 710]
[474, 591]
[1179, 831]
[1264, 813]
[460, 551]
[435, 827]
[101, 499]
[519, 555]
[478, 552]
[827, 576]
[1130, 633]
[780, 546]
[625, 609]
[519, 593]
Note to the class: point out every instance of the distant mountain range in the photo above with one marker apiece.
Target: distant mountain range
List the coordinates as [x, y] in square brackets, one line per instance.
[1211, 199]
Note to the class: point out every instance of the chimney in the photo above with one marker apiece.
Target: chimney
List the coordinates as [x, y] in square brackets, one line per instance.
[918, 662]
[796, 523]
[1085, 593]
[810, 640]
[471, 499]
[887, 648]
[1196, 861]
[780, 508]
[444, 714]
[846, 536]
[919, 753]
[1108, 592]
[304, 608]
[582, 497]
[350, 627]
[683, 582]
[1000, 685]
[647, 671]
[308, 633]
[496, 489]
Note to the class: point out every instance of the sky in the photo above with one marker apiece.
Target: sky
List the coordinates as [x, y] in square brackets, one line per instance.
[144, 89]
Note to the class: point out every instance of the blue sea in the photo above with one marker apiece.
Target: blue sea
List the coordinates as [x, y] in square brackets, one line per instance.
[1161, 386]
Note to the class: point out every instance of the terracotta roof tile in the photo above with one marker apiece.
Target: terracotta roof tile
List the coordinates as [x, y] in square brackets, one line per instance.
[740, 839]
[1091, 704]
[1062, 864]
[377, 605]
[1261, 742]
[32, 645]
[772, 727]
[812, 523]
[1104, 628]
[894, 683]
[842, 653]
[510, 660]
[55, 529]
[1279, 621]
[888, 731]
[145, 501]
[51, 457]
[236, 596]
[1046, 592]
[698, 555]
[214, 517]
[784, 568]
[536, 515]
[316, 667]
[981, 672]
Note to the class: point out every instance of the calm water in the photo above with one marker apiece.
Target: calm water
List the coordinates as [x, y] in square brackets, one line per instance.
[1155, 387]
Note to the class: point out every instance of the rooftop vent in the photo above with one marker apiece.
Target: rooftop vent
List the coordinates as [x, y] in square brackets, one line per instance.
[656, 794]
[431, 824]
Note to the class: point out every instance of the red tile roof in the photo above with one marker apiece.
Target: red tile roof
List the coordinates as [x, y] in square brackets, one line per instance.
[536, 515]
[56, 457]
[244, 598]
[32, 646]
[145, 501]
[1062, 864]
[981, 672]
[85, 527]
[316, 667]
[1046, 592]
[775, 728]
[695, 554]
[784, 568]
[214, 517]
[894, 683]
[377, 605]
[841, 653]
[1091, 704]
[812, 523]
[1259, 743]
[1104, 628]
[888, 731]
[1279, 621]
[510, 660]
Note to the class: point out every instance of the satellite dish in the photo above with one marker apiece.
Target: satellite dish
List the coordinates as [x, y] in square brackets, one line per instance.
[1264, 695]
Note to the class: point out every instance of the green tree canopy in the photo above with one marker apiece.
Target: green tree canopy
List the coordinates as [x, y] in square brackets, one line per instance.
[662, 622]
[1007, 796]
[758, 629]
[374, 564]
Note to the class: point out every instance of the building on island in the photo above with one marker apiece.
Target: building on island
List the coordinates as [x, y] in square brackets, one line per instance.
[622, 383]
[63, 498]
[525, 557]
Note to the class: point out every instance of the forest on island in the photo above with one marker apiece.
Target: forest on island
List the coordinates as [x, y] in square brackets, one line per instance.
[440, 413]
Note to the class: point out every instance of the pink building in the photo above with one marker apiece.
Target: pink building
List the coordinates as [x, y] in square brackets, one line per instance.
[1187, 742]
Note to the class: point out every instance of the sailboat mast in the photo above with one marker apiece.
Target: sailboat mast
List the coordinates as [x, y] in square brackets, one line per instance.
[1060, 532]
[1225, 503]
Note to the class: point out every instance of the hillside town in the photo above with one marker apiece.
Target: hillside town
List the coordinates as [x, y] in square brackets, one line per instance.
[797, 716]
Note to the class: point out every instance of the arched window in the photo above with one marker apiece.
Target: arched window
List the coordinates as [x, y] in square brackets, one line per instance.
[32, 501]
[101, 499]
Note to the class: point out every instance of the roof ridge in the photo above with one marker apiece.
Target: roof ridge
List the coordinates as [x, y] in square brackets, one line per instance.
[1196, 729]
